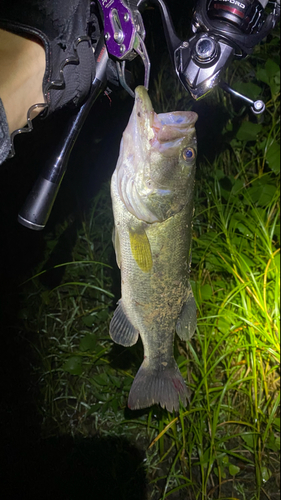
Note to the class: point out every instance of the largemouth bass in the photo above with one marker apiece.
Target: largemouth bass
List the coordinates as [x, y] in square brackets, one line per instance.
[152, 196]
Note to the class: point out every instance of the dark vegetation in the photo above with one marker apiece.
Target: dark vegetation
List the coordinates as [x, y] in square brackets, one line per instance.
[66, 429]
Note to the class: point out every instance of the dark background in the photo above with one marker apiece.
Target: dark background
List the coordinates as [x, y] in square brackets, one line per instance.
[62, 467]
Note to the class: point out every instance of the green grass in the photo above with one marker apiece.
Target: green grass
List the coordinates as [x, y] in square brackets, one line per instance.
[226, 443]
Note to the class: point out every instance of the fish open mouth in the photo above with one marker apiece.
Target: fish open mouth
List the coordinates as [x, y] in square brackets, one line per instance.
[164, 127]
[169, 127]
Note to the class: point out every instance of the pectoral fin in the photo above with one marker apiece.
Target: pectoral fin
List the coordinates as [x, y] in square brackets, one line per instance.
[187, 321]
[140, 248]
[121, 329]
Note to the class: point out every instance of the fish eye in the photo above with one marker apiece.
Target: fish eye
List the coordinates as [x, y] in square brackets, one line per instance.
[188, 154]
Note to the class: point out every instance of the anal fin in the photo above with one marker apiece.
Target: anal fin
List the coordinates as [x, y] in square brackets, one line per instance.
[187, 321]
[121, 329]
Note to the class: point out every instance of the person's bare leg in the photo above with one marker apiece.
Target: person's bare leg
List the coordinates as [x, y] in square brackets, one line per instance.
[22, 63]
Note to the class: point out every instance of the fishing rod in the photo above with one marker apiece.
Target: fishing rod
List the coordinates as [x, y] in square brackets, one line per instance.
[37, 208]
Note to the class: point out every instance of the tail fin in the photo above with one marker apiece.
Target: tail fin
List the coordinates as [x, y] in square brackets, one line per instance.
[163, 386]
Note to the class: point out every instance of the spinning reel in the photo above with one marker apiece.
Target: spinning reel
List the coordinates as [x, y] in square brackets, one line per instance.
[222, 30]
